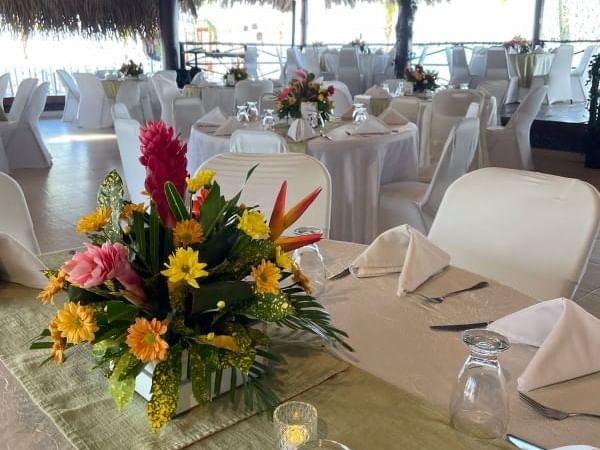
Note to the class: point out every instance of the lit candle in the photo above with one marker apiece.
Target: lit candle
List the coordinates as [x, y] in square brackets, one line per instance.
[294, 435]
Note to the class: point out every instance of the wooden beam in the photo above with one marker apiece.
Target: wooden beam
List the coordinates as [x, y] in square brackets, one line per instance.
[404, 33]
[293, 23]
[304, 23]
[169, 33]
[537, 21]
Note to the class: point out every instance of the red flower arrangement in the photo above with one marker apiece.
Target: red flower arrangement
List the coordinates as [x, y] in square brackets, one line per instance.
[304, 88]
[424, 80]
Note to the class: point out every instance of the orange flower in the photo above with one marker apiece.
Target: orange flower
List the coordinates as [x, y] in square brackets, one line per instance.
[267, 276]
[144, 340]
[187, 232]
[76, 323]
[58, 344]
[301, 279]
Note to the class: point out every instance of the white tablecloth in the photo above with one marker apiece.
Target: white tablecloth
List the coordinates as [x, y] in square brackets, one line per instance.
[213, 96]
[358, 166]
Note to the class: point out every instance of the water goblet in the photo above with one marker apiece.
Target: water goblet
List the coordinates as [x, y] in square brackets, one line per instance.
[242, 113]
[252, 108]
[386, 87]
[268, 119]
[356, 107]
[361, 116]
[310, 261]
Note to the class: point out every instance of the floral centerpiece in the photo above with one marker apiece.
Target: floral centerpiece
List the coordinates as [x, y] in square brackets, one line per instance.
[519, 43]
[423, 80]
[131, 69]
[301, 89]
[235, 74]
[188, 276]
[361, 45]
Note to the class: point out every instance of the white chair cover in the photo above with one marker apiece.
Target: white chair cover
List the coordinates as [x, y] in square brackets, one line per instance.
[170, 75]
[512, 95]
[4, 82]
[26, 148]
[457, 64]
[257, 141]
[130, 95]
[380, 62]
[331, 58]
[18, 222]
[128, 141]
[579, 75]
[167, 92]
[186, 111]
[94, 105]
[21, 99]
[302, 172]
[251, 61]
[530, 231]
[498, 90]
[558, 78]
[312, 56]
[509, 146]
[348, 71]
[250, 91]
[477, 65]
[496, 64]
[409, 107]
[198, 78]
[415, 203]
[71, 108]
[267, 101]
[120, 111]
[342, 99]
[293, 63]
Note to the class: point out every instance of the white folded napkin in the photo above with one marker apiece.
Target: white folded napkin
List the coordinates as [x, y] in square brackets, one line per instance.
[392, 117]
[372, 125]
[401, 249]
[300, 130]
[377, 92]
[19, 265]
[568, 338]
[227, 128]
[214, 117]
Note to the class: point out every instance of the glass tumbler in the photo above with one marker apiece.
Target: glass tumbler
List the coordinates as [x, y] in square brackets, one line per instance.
[479, 402]
[310, 261]
[242, 114]
[295, 423]
[361, 116]
[268, 121]
[252, 108]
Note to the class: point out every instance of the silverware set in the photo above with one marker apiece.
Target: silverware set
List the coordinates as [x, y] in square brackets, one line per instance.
[441, 298]
[552, 413]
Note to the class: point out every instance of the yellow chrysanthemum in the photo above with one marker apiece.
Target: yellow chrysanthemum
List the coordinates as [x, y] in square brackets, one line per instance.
[94, 221]
[76, 323]
[145, 342]
[184, 266]
[266, 276]
[187, 232]
[201, 178]
[282, 259]
[301, 279]
[54, 286]
[130, 208]
[58, 345]
[253, 224]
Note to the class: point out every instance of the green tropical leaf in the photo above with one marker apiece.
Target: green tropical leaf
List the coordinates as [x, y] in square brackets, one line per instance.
[120, 311]
[197, 375]
[176, 203]
[40, 345]
[140, 234]
[165, 389]
[212, 208]
[121, 387]
[110, 196]
[233, 293]
[154, 239]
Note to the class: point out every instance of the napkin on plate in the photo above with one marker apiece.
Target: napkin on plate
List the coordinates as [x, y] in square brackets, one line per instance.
[214, 117]
[300, 130]
[392, 117]
[401, 249]
[568, 338]
[228, 127]
[372, 125]
[19, 265]
[377, 92]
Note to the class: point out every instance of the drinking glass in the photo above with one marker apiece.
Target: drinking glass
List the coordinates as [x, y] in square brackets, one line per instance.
[479, 402]
[242, 114]
[399, 89]
[252, 108]
[356, 107]
[323, 443]
[268, 119]
[386, 87]
[315, 120]
[310, 261]
[295, 423]
[361, 116]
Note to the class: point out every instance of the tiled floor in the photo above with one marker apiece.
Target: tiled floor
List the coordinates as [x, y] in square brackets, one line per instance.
[59, 196]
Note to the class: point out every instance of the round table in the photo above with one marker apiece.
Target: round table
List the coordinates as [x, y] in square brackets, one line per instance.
[527, 65]
[358, 166]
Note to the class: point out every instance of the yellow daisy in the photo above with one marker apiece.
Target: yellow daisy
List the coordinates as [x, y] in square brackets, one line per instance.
[184, 266]
[187, 232]
[266, 276]
[253, 224]
[282, 259]
[94, 221]
[201, 178]
[54, 286]
[130, 208]
[301, 279]
[76, 323]
[145, 342]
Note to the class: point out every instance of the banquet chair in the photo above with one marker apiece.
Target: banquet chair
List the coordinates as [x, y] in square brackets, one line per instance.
[199, 78]
[528, 230]
[558, 79]
[342, 99]
[18, 223]
[4, 82]
[331, 58]
[390, 68]
[457, 65]
[579, 75]
[416, 203]
[312, 56]
[257, 141]
[380, 63]
[250, 91]
[512, 94]
[186, 111]
[251, 61]
[167, 92]
[267, 101]
[509, 146]
[348, 71]
[170, 75]
[130, 95]
[496, 64]
[477, 65]
[293, 63]
[26, 148]
[302, 172]
[497, 89]
[94, 105]
[24, 91]
[120, 111]
[392, 83]
[128, 141]
[4, 167]
[409, 107]
[71, 108]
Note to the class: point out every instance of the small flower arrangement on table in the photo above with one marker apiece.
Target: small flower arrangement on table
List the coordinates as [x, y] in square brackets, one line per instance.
[131, 69]
[519, 43]
[236, 74]
[301, 89]
[188, 276]
[423, 80]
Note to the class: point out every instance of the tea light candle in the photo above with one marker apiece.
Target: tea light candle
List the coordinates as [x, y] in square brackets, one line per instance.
[294, 435]
[295, 424]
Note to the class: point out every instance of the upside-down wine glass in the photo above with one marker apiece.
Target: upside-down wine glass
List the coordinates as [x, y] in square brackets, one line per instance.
[310, 260]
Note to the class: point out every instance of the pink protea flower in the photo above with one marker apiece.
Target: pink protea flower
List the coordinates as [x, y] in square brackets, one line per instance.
[163, 155]
[99, 264]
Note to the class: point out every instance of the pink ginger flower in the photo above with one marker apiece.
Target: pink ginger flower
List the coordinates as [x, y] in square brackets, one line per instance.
[99, 264]
[302, 76]
[163, 155]
[283, 94]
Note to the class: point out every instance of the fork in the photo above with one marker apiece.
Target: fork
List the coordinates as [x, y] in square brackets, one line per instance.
[441, 298]
[552, 413]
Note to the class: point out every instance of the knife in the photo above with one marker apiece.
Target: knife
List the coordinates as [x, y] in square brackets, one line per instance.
[522, 443]
[459, 326]
[341, 274]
